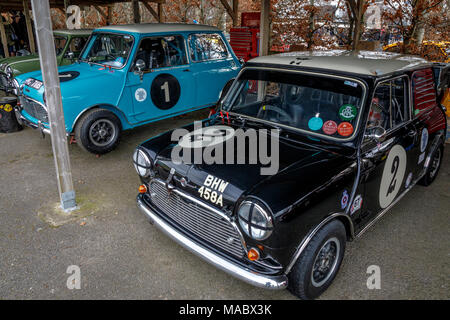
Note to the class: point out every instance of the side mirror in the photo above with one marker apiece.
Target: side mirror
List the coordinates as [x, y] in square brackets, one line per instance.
[140, 66]
[70, 55]
[241, 61]
[376, 133]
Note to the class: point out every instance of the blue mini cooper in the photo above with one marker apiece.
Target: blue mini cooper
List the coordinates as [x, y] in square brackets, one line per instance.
[131, 75]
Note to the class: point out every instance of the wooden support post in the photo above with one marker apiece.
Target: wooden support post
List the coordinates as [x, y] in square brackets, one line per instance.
[136, 13]
[235, 11]
[49, 67]
[26, 12]
[160, 13]
[4, 39]
[66, 4]
[109, 14]
[264, 32]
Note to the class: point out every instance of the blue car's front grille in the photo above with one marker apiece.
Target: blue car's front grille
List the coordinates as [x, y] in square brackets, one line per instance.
[34, 109]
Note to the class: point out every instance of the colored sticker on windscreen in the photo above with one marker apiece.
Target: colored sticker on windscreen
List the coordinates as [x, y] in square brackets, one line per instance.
[347, 112]
[329, 127]
[345, 129]
[315, 123]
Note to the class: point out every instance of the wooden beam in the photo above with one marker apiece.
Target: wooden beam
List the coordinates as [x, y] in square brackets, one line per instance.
[160, 12]
[151, 10]
[4, 39]
[233, 12]
[109, 19]
[264, 32]
[136, 13]
[26, 12]
[99, 10]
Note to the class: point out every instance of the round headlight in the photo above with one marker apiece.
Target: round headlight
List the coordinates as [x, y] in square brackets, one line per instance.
[142, 163]
[9, 71]
[16, 86]
[255, 221]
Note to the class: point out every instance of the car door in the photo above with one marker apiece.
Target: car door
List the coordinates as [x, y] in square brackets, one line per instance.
[212, 65]
[424, 102]
[165, 86]
[387, 164]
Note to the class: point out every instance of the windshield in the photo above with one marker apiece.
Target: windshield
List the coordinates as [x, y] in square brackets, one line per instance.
[320, 105]
[60, 43]
[109, 49]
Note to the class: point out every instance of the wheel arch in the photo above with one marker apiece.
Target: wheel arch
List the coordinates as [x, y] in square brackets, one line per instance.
[340, 216]
[116, 111]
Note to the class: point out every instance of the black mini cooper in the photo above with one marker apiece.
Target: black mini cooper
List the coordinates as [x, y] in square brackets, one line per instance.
[354, 133]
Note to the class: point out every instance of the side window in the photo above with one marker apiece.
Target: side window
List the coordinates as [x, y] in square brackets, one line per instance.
[60, 43]
[160, 52]
[77, 44]
[204, 47]
[423, 90]
[379, 107]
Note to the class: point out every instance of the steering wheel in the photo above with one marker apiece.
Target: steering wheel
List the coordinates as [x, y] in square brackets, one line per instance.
[280, 111]
[110, 56]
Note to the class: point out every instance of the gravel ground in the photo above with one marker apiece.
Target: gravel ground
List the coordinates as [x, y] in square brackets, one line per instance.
[121, 255]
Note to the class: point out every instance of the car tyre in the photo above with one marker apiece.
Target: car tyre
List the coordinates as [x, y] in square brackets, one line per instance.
[319, 263]
[98, 131]
[434, 166]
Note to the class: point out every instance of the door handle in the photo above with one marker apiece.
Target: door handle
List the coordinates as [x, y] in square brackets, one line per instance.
[186, 70]
[412, 133]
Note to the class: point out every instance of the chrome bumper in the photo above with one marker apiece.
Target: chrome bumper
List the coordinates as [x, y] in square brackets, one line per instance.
[24, 121]
[247, 275]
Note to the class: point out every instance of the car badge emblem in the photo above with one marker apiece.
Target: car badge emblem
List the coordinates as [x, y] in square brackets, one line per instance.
[183, 182]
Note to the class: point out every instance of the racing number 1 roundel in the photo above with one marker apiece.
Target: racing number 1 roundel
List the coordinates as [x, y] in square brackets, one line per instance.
[393, 174]
[165, 91]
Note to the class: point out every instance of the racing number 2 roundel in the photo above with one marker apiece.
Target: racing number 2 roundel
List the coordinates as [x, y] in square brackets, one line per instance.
[165, 91]
[393, 174]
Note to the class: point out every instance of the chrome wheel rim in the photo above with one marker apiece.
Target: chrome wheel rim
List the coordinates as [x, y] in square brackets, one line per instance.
[435, 163]
[102, 132]
[325, 262]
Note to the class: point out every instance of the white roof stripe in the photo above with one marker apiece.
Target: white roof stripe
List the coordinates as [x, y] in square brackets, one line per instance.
[361, 62]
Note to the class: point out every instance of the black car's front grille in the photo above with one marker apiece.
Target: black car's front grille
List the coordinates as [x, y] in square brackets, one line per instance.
[205, 224]
[34, 109]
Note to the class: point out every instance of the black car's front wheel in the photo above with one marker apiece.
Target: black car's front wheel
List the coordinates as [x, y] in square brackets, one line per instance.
[319, 263]
[98, 131]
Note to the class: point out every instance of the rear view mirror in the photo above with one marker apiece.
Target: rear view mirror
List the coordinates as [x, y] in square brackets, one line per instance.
[70, 55]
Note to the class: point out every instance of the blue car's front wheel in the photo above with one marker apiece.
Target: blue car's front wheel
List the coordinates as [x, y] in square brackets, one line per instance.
[98, 131]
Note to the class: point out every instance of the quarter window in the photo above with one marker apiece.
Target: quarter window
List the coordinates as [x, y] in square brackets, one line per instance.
[424, 91]
[160, 52]
[205, 47]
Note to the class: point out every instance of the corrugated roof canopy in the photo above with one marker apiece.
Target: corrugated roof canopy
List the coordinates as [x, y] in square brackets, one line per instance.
[6, 5]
